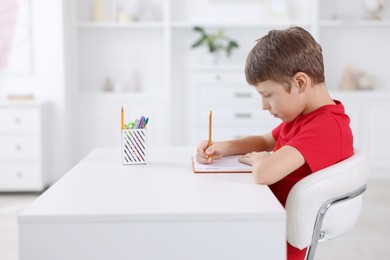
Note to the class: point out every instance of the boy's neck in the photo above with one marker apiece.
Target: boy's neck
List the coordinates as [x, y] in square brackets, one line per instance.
[317, 96]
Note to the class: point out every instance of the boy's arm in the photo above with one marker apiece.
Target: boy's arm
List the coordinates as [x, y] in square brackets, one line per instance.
[270, 168]
[249, 144]
[241, 145]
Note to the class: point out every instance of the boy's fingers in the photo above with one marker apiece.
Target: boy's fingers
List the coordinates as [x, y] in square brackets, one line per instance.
[201, 148]
[210, 150]
[203, 160]
[200, 152]
[245, 160]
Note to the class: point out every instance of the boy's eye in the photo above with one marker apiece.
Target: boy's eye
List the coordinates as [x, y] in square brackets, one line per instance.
[265, 95]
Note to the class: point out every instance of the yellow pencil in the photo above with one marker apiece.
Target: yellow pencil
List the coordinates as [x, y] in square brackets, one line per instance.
[122, 119]
[210, 130]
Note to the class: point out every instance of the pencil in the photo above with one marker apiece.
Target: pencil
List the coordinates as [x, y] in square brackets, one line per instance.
[122, 119]
[210, 130]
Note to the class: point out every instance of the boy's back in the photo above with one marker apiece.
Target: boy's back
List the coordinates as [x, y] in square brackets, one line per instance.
[323, 137]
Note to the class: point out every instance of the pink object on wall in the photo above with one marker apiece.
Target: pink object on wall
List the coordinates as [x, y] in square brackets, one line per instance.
[8, 15]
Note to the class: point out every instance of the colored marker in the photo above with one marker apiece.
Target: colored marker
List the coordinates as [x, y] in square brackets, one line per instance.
[122, 119]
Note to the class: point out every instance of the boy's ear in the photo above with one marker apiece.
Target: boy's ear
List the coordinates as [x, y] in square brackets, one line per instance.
[301, 80]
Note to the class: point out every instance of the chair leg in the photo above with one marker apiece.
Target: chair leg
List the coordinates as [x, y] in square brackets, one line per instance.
[317, 233]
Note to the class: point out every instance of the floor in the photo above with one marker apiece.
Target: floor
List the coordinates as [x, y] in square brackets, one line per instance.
[370, 239]
[10, 205]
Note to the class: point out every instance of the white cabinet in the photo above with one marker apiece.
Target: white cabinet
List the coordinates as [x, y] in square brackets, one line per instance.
[22, 147]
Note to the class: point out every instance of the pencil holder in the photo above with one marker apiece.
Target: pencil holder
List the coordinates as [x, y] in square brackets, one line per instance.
[134, 146]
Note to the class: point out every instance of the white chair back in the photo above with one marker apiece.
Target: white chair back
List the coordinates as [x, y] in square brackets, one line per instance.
[309, 194]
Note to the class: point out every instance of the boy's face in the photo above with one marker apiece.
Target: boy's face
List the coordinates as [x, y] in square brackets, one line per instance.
[280, 103]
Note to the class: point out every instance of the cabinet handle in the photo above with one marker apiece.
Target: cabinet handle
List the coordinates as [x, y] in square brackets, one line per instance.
[18, 120]
[18, 147]
[19, 174]
[243, 115]
[218, 77]
[242, 95]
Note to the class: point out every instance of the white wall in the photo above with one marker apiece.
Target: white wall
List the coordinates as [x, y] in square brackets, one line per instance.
[47, 80]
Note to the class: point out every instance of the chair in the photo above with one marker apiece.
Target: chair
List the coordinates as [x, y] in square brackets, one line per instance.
[335, 191]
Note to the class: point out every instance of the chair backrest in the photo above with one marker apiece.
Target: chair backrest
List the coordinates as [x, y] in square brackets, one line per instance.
[310, 193]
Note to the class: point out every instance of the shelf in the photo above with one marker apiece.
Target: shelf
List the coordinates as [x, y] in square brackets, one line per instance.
[361, 94]
[117, 25]
[120, 96]
[252, 25]
[213, 68]
[354, 23]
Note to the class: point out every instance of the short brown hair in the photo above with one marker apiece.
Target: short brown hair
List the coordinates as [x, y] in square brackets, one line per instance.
[280, 54]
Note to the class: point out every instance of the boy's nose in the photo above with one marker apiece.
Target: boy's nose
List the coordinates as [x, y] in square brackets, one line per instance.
[265, 105]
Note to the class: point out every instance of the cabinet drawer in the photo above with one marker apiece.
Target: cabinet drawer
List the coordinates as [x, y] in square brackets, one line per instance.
[23, 120]
[240, 116]
[229, 96]
[220, 78]
[19, 147]
[20, 177]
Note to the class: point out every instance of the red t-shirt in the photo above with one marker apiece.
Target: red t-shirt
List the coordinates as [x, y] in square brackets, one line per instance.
[323, 137]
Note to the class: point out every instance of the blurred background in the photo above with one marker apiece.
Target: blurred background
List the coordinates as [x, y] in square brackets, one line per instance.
[68, 66]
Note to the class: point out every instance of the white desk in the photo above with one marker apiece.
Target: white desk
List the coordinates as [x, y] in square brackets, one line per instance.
[103, 210]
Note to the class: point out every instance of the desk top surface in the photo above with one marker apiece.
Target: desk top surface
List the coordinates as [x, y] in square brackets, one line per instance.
[100, 188]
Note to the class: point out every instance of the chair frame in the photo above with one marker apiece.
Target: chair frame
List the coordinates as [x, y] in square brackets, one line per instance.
[317, 233]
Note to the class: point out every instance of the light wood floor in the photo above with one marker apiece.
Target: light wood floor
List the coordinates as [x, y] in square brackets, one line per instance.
[369, 240]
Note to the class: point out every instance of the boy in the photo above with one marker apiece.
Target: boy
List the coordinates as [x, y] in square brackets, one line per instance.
[286, 68]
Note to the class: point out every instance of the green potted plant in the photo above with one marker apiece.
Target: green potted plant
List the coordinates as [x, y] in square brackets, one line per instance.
[215, 42]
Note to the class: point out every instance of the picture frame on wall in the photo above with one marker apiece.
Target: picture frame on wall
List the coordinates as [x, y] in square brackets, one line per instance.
[15, 37]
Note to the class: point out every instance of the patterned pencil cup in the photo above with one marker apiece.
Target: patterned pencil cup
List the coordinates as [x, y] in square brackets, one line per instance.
[134, 146]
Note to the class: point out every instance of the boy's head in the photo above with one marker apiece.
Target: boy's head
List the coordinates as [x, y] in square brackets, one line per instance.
[280, 54]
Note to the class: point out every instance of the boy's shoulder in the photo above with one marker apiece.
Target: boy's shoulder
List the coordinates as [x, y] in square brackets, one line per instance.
[324, 119]
[327, 119]
[335, 112]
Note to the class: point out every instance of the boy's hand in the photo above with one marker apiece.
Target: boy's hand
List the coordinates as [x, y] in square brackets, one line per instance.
[250, 158]
[206, 154]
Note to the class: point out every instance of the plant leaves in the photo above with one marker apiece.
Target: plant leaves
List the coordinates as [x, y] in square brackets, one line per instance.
[214, 41]
[198, 42]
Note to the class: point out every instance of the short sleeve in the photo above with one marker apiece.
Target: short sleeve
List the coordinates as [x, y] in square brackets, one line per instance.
[276, 131]
[320, 142]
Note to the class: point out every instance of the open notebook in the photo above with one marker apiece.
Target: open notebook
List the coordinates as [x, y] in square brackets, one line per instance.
[227, 164]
